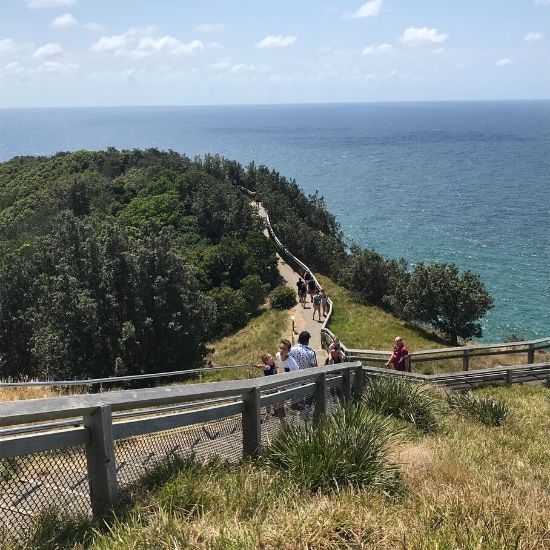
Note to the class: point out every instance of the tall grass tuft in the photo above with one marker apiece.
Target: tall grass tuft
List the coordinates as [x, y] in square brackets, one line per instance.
[349, 448]
[396, 396]
[485, 409]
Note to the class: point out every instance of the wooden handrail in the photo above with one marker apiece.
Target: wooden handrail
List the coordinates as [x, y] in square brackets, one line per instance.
[53, 408]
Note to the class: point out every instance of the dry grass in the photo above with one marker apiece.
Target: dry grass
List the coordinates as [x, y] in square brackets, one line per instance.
[468, 487]
[261, 335]
[38, 392]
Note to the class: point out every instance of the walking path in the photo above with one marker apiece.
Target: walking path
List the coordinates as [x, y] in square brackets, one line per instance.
[302, 315]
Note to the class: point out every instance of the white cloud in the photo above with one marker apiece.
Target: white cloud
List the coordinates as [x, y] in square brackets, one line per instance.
[13, 68]
[533, 36]
[140, 43]
[242, 68]
[377, 50]
[7, 45]
[115, 43]
[94, 27]
[48, 50]
[462, 65]
[503, 62]
[542, 2]
[168, 44]
[65, 20]
[368, 9]
[276, 41]
[418, 36]
[223, 64]
[55, 67]
[49, 3]
[210, 27]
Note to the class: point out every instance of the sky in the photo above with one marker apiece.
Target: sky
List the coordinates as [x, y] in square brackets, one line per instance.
[56, 53]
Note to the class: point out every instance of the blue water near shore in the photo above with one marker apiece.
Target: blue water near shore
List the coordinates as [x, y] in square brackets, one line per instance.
[467, 183]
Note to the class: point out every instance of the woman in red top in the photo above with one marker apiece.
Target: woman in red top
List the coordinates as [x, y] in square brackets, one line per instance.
[400, 356]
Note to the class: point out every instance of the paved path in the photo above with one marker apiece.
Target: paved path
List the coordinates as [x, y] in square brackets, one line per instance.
[302, 315]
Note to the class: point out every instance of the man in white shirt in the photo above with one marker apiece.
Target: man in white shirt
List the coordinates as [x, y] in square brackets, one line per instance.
[302, 353]
[285, 363]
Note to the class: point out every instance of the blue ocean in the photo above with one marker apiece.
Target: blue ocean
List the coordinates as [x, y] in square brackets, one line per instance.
[462, 182]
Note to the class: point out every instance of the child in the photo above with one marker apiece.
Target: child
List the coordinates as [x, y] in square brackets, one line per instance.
[268, 365]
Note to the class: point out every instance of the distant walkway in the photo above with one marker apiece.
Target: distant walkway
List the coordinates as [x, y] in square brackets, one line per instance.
[303, 320]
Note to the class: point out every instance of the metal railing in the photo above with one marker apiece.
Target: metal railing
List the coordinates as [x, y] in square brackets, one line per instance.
[119, 379]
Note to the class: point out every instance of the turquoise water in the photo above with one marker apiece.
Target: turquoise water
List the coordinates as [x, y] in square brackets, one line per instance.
[452, 182]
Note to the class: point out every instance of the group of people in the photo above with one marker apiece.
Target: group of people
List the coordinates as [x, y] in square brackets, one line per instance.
[319, 299]
[299, 356]
[291, 358]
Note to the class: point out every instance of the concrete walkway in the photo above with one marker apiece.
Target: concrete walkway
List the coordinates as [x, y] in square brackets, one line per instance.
[302, 315]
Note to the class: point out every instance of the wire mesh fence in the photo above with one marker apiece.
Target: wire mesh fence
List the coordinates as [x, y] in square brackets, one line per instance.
[135, 456]
[32, 484]
[290, 411]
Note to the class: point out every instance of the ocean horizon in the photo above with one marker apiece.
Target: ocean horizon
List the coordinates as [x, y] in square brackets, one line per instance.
[449, 181]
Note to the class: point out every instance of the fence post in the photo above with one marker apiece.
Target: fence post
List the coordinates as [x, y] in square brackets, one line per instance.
[320, 396]
[358, 386]
[509, 379]
[346, 384]
[100, 458]
[531, 354]
[465, 359]
[252, 429]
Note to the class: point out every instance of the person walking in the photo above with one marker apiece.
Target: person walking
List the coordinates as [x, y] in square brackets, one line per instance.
[302, 291]
[316, 299]
[285, 363]
[311, 287]
[324, 302]
[304, 356]
[400, 358]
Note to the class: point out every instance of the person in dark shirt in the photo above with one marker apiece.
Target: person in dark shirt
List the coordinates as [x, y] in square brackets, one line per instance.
[268, 365]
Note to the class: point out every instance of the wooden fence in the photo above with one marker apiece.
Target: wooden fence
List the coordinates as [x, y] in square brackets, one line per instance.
[98, 421]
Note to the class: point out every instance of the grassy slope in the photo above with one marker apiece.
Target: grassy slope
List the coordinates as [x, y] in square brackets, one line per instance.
[368, 327]
[259, 336]
[467, 487]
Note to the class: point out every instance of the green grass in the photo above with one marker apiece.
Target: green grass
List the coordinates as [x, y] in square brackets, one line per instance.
[348, 448]
[362, 326]
[484, 408]
[404, 399]
[260, 335]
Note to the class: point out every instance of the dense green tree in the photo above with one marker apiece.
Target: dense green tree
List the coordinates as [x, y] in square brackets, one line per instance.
[372, 278]
[452, 303]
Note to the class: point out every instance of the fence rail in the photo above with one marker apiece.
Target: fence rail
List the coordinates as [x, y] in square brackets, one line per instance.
[509, 374]
[81, 451]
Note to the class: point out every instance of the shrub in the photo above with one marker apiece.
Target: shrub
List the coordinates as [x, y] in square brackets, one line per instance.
[348, 448]
[485, 409]
[396, 396]
[282, 297]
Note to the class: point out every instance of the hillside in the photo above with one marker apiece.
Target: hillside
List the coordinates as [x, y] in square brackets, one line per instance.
[127, 262]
